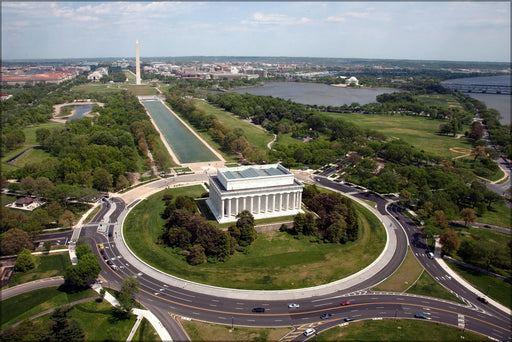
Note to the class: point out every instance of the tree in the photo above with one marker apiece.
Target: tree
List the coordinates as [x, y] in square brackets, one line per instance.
[245, 223]
[468, 215]
[101, 179]
[14, 241]
[82, 250]
[478, 151]
[85, 271]
[450, 241]
[67, 218]
[126, 297]
[196, 256]
[441, 219]
[25, 261]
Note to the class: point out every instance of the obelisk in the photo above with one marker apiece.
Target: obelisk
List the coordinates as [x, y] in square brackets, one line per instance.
[137, 63]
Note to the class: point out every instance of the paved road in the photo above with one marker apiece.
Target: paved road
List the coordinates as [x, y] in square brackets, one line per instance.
[33, 285]
[167, 300]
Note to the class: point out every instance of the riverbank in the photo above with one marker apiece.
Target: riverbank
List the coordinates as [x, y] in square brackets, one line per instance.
[58, 107]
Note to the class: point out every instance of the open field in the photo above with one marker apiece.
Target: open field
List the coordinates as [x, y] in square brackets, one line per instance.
[418, 131]
[398, 330]
[302, 263]
[46, 266]
[129, 76]
[23, 306]
[442, 101]
[146, 333]
[200, 331]
[495, 288]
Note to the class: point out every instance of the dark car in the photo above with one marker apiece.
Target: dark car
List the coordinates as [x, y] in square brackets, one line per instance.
[326, 315]
[483, 300]
[420, 315]
[258, 310]
[348, 319]
[109, 262]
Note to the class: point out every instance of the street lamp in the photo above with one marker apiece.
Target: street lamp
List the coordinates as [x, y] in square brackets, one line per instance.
[232, 319]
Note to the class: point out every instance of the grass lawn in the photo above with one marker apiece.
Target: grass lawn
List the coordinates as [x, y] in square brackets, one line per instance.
[140, 90]
[30, 140]
[130, 76]
[98, 88]
[98, 322]
[428, 286]
[406, 274]
[200, 331]
[46, 266]
[418, 131]
[23, 306]
[496, 289]
[399, 330]
[257, 137]
[499, 215]
[35, 155]
[145, 333]
[443, 101]
[302, 263]
[470, 164]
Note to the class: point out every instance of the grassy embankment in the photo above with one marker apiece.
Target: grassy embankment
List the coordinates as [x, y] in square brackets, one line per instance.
[256, 269]
[25, 305]
[46, 266]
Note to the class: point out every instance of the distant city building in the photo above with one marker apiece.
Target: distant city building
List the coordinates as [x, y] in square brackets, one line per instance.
[32, 76]
[265, 190]
[97, 74]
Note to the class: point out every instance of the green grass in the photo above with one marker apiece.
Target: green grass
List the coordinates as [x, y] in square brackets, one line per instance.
[301, 263]
[496, 289]
[30, 140]
[97, 321]
[402, 279]
[499, 215]
[97, 88]
[418, 131]
[23, 306]
[200, 331]
[257, 137]
[443, 101]
[469, 164]
[145, 333]
[428, 286]
[46, 266]
[286, 139]
[399, 330]
[130, 76]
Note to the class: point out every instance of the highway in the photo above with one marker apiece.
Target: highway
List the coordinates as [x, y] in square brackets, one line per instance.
[169, 301]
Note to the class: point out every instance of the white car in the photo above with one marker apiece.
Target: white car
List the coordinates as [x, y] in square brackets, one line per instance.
[293, 305]
[309, 332]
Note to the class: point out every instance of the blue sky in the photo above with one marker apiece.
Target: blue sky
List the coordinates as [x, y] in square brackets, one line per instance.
[462, 31]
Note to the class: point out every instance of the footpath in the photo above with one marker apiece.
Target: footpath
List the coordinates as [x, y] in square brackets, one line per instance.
[155, 322]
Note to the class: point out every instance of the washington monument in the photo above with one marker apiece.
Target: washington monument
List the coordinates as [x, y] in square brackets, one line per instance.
[137, 63]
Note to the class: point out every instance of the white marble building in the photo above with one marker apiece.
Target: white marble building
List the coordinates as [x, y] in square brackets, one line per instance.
[264, 190]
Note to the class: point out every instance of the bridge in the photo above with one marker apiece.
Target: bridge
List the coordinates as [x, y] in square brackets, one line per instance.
[479, 88]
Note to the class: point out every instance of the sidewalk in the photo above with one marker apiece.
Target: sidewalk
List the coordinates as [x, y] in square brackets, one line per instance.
[463, 282]
[155, 322]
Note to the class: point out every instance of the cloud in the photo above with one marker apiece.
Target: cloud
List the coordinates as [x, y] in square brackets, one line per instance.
[336, 19]
[357, 14]
[259, 18]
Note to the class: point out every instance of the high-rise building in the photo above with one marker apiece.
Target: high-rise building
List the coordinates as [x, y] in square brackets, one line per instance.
[137, 63]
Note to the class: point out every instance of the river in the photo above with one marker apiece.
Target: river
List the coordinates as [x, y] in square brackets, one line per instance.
[317, 93]
[499, 102]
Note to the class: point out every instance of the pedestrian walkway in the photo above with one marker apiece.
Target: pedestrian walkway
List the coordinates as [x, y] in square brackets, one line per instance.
[454, 275]
[155, 322]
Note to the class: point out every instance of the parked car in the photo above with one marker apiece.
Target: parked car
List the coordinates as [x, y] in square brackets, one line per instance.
[420, 315]
[309, 332]
[345, 303]
[293, 305]
[258, 310]
[326, 315]
[483, 300]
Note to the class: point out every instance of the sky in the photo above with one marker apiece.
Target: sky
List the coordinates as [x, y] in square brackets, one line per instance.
[418, 30]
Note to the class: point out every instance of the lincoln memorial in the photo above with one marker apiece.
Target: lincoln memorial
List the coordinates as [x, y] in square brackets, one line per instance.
[264, 190]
